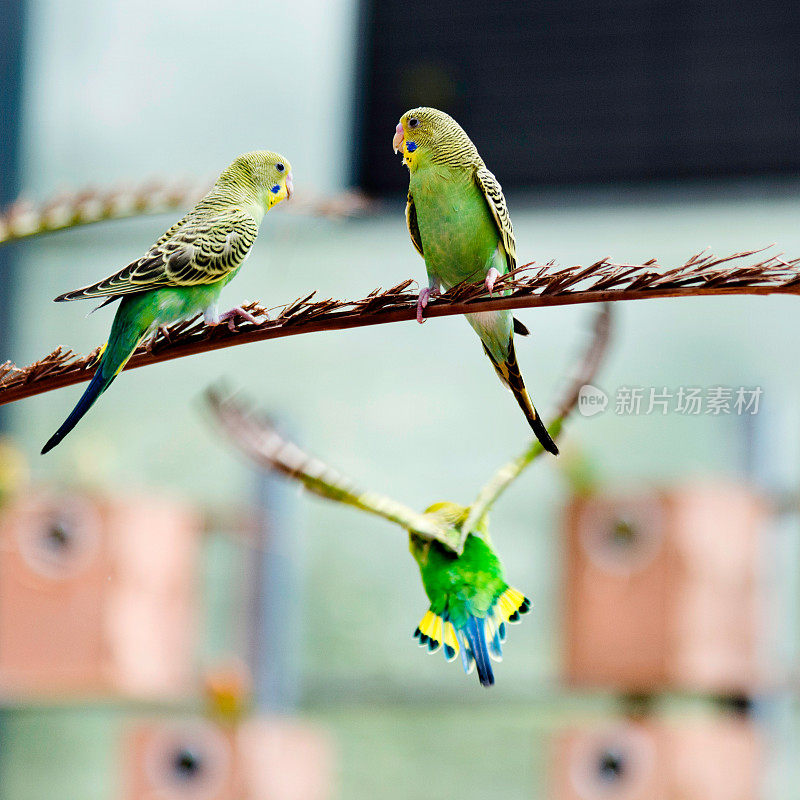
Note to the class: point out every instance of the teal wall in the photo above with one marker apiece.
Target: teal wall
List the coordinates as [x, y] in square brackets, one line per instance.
[415, 411]
[409, 410]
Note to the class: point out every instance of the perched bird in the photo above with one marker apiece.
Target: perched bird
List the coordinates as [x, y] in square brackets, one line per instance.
[183, 273]
[470, 601]
[458, 221]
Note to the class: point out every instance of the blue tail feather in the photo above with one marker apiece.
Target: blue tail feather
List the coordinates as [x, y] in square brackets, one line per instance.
[496, 647]
[466, 654]
[131, 323]
[477, 642]
[96, 387]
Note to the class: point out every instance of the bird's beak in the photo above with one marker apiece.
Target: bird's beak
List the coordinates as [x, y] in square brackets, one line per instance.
[399, 138]
[289, 185]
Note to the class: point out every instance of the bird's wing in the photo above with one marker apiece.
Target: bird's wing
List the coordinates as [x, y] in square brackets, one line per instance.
[497, 203]
[262, 443]
[413, 226]
[192, 252]
[504, 477]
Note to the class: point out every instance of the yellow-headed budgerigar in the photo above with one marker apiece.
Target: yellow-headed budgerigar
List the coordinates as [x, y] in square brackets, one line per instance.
[458, 220]
[183, 273]
[470, 599]
[470, 602]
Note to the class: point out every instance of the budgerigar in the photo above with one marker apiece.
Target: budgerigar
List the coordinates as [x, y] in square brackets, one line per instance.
[470, 601]
[458, 220]
[183, 273]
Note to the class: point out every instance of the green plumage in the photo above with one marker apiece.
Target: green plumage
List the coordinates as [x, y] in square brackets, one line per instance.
[470, 601]
[458, 221]
[183, 273]
[459, 585]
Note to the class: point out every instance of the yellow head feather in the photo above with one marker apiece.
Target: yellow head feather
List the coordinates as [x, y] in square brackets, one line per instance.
[427, 134]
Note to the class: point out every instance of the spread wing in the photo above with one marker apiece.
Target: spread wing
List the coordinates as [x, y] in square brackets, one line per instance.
[190, 253]
[263, 444]
[413, 226]
[497, 203]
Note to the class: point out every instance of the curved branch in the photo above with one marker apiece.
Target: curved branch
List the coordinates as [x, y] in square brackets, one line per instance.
[24, 220]
[527, 287]
[585, 373]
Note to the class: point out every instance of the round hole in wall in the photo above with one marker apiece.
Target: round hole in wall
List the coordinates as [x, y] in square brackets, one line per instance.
[188, 762]
[59, 536]
[622, 536]
[613, 764]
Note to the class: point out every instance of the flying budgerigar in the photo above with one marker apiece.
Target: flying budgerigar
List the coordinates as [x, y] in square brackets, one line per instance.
[470, 601]
[183, 273]
[458, 220]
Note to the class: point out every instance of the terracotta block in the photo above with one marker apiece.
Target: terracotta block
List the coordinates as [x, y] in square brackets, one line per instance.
[666, 591]
[97, 596]
[260, 759]
[192, 760]
[702, 759]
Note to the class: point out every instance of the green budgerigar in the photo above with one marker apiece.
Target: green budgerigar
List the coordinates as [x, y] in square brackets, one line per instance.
[458, 220]
[183, 273]
[470, 601]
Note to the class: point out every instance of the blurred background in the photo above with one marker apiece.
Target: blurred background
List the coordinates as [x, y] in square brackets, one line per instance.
[174, 624]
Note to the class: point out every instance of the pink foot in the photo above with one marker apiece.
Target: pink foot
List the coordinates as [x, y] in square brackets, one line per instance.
[163, 330]
[230, 317]
[422, 302]
[491, 276]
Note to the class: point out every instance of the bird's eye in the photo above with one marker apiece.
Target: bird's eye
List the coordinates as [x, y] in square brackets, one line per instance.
[280, 167]
[413, 122]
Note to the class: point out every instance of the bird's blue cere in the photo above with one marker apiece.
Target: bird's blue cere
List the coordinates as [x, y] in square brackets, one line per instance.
[275, 189]
[411, 146]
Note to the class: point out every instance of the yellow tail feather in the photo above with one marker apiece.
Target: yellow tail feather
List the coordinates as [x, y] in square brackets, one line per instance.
[509, 606]
[434, 632]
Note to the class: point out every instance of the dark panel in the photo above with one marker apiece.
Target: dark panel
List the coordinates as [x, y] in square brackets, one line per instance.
[577, 91]
[11, 32]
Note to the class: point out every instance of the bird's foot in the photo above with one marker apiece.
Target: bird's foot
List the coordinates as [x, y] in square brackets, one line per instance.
[422, 302]
[491, 276]
[230, 317]
[163, 330]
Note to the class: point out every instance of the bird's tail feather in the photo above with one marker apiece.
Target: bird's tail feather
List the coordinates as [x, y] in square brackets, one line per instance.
[480, 639]
[436, 631]
[114, 355]
[474, 632]
[519, 328]
[509, 373]
[96, 387]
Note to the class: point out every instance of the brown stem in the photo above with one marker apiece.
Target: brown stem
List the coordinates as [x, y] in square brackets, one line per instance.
[24, 220]
[529, 286]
